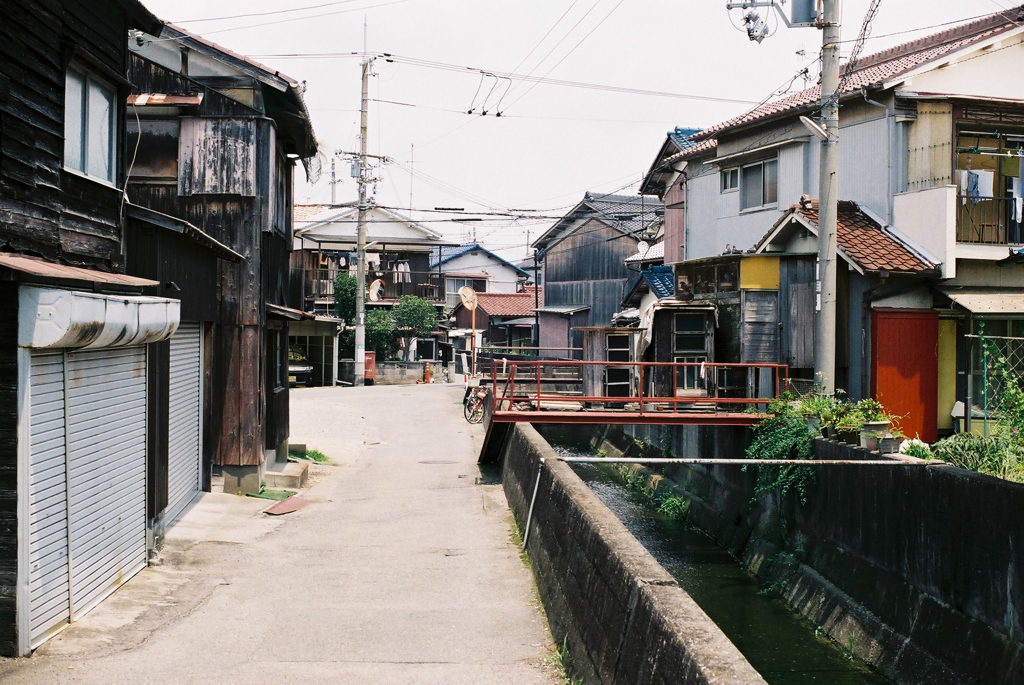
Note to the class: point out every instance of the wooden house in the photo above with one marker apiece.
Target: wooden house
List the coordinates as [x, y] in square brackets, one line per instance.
[503, 319]
[398, 255]
[583, 261]
[84, 392]
[218, 137]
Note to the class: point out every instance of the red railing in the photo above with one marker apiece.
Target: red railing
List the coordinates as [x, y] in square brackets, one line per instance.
[639, 388]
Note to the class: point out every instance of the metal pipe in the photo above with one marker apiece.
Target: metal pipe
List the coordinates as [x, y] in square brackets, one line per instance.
[748, 462]
[533, 501]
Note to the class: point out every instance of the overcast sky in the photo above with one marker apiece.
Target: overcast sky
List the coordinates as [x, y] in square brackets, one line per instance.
[553, 142]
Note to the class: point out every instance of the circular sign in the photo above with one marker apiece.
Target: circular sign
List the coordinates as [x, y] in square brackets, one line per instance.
[468, 297]
[377, 290]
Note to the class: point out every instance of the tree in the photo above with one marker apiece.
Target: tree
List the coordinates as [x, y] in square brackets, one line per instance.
[414, 317]
[345, 298]
[380, 333]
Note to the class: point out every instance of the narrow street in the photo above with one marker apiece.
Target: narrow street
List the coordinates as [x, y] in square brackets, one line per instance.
[401, 570]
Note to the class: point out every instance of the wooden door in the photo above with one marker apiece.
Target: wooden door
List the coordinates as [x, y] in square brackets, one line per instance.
[905, 368]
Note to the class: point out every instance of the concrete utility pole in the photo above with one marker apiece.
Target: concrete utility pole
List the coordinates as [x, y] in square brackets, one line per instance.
[828, 211]
[360, 370]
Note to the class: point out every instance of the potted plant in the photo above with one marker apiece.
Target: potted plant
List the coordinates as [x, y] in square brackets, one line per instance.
[874, 422]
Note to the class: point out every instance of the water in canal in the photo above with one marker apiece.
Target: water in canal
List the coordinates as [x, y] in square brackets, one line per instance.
[781, 645]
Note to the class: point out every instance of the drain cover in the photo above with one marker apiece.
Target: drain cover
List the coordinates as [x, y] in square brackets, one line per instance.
[438, 461]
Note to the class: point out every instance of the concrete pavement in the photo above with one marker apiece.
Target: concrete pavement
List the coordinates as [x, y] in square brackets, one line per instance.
[401, 571]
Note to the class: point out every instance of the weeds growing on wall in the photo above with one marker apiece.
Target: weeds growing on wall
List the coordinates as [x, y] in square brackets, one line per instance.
[784, 435]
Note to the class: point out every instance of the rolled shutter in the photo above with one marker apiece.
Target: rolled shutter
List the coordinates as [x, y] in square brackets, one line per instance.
[184, 418]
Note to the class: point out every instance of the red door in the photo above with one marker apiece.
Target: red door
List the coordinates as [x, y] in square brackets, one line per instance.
[905, 368]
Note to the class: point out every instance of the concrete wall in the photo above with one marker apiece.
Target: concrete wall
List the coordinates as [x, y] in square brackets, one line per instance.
[624, 619]
[920, 566]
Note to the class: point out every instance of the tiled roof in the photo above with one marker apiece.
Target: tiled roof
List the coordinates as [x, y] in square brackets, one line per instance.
[509, 304]
[654, 253]
[864, 241]
[882, 67]
[306, 212]
[683, 137]
[631, 213]
[660, 280]
[703, 147]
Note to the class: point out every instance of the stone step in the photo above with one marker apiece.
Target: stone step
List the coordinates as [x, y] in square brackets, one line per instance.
[291, 474]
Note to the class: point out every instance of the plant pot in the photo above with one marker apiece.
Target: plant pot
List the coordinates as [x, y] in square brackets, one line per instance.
[814, 426]
[850, 437]
[889, 444]
[870, 433]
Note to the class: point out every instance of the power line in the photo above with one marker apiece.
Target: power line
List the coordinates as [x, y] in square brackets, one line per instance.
[265, 14]
[566, 56]
[311, 16]
[429, 64]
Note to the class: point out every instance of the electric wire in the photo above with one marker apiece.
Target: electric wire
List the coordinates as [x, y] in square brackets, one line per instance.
[265, 14]
[311, 16]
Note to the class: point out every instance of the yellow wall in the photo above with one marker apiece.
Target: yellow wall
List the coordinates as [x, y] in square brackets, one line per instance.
[947, 372]
[759, 273]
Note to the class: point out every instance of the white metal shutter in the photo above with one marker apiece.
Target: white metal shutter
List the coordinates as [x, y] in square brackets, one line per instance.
[106, 416]
[49, 598]
[185, 424]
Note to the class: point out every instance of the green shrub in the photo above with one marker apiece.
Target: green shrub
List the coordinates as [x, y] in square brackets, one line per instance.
[996, 455]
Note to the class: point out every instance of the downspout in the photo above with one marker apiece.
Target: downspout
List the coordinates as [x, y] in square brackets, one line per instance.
[536, 302]
[888, 155]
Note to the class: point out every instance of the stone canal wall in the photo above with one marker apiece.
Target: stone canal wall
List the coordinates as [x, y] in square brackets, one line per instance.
[919, 568]
[622, 617]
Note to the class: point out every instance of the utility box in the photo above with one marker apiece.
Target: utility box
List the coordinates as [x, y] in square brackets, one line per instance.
[370, 370]
[804, 12]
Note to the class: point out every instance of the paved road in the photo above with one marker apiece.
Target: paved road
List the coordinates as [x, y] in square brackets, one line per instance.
[401, 572]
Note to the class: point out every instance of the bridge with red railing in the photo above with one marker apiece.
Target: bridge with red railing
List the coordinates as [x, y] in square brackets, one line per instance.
[653, 393]
[624, 393]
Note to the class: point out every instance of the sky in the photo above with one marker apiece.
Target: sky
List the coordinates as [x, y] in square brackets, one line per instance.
[552, 142]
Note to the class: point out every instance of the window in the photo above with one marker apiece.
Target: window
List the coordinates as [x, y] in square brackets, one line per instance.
[455, 284]
[618, 381]
[89, 116]
[759, 185]
[730, 180]
[689, 334]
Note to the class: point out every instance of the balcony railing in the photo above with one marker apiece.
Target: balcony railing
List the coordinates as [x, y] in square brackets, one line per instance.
[318, 284]
[988, 221]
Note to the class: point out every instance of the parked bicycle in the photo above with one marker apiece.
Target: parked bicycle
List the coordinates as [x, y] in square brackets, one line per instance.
[473, 403]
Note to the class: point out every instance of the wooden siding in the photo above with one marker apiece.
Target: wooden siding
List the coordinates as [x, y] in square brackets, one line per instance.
[759, 327]
[675, 223]
[217, 157]
[43, 208]
[593, 252]
[905, 368]
[796, 312]
[8, 466]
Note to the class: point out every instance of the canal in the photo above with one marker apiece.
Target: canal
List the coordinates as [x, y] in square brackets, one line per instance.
[781, 645]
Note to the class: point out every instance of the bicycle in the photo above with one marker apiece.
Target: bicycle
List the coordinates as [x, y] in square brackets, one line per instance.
[473, 404]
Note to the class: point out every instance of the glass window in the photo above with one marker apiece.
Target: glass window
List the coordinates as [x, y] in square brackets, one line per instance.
[759, 185]
[689, 334]
[730, 180]
[618, 348]
[89, 115]
[74, 133]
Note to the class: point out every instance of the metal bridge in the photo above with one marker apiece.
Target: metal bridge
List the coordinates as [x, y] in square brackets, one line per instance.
[625, 393]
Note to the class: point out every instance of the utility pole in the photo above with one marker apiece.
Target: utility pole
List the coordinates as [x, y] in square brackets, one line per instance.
[828, 210]
[825, 15]
[360, 370]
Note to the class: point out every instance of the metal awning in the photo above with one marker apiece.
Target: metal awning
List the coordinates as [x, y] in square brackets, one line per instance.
[193, 233]
[42, 269]
[525, 321]
[562, 308]
[987, 301]
[289, 313]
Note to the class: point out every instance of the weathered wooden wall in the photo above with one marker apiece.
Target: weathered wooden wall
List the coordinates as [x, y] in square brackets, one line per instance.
[43, 208]
[8, 465]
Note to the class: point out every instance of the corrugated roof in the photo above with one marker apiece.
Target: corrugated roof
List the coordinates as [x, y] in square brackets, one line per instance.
[563, 308]
[987, 300]
[654, 253]
[34, 266]
[882, 67]
[862, 239]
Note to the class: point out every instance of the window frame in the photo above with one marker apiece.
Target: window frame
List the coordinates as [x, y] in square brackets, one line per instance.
[88, 78]
[764, 189]
[729, 180]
